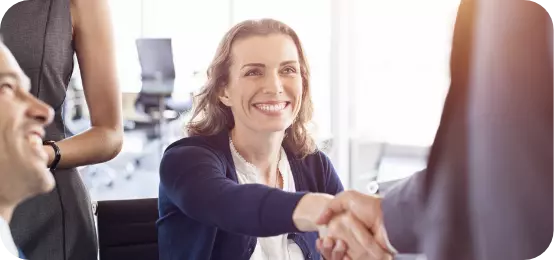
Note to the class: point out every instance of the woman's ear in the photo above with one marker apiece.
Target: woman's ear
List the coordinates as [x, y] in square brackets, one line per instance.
[224, 97]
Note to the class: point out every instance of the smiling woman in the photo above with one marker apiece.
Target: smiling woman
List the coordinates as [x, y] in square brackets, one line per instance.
[258, 53]
[235, 178]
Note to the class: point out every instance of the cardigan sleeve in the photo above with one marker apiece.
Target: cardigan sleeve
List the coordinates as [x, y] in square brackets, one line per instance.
[193, 178]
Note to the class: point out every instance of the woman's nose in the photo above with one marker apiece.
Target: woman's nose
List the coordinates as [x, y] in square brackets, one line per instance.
[273, 84]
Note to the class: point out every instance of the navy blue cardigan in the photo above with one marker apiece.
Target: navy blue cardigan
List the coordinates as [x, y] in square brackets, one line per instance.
[206, 214]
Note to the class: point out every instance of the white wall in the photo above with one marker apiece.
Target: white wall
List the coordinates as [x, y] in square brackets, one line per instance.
[379, 68]
[390, 75]
[402, 68]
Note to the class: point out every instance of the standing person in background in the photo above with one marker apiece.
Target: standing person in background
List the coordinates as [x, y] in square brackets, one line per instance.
[44, 36]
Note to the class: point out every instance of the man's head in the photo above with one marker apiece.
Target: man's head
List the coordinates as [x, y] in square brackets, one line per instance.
[23, 160]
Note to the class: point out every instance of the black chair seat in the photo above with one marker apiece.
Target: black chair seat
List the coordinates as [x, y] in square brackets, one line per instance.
[127, 229]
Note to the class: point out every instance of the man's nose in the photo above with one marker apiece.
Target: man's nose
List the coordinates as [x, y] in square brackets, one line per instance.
[40, 111]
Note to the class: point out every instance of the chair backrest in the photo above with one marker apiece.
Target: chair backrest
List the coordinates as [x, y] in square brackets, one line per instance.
[157, 70]
[156, 58]
[127, 229]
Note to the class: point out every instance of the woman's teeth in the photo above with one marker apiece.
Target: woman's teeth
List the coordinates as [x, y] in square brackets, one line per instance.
[273, 107]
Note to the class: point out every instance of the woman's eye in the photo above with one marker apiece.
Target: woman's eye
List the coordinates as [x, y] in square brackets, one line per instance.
[289, 70]
[253, 73]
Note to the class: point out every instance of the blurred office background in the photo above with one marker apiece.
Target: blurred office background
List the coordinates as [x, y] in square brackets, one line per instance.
[380, 73]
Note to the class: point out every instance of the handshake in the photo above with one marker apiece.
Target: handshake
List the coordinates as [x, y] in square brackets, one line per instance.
[350, 225]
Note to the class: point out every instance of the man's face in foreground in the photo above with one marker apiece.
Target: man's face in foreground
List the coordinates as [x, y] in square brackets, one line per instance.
[23, 160]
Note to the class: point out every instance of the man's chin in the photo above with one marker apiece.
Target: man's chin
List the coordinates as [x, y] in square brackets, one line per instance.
[45, 181]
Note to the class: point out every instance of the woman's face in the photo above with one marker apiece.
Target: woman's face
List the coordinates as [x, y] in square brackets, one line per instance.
[265, 84]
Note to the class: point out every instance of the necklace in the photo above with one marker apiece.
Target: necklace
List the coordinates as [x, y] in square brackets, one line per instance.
[278, 175]
[278, 178]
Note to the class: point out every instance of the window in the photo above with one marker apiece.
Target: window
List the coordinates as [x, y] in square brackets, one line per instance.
[194, 27]
[402, 68]
[127, 26]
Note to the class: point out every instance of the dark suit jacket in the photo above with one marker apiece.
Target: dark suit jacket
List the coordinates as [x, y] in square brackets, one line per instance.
[487, 191]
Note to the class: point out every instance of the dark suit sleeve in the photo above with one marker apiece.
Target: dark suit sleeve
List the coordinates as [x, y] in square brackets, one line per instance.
[401, 210]
[194, 180]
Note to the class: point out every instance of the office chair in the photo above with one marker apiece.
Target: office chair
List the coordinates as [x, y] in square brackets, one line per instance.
[127, 229]
[155, 97]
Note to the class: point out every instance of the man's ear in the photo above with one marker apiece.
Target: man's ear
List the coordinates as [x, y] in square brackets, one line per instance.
[224, 97]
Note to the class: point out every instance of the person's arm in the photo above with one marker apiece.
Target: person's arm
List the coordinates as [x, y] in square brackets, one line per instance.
[94, 45]
[330, 248]
[194, 180]
[401, 212]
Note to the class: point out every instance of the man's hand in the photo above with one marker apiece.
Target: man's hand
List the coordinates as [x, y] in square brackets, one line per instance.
[367, 210]
[359, 241]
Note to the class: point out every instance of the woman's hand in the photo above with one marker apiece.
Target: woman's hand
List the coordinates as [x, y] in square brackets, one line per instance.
[366, 212]
[351, 235]
[51, 154]
[308, 211]
[360, 242]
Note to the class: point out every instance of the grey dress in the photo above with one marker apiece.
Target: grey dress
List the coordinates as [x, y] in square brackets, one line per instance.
[58, 225]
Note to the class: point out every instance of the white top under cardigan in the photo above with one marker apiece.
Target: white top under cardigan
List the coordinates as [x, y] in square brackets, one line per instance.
[277, 247]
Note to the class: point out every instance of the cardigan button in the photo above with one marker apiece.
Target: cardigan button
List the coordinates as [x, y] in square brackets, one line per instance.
[309, 256]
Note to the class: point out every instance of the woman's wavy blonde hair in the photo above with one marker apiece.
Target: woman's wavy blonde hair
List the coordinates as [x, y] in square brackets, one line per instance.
[210, 116]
